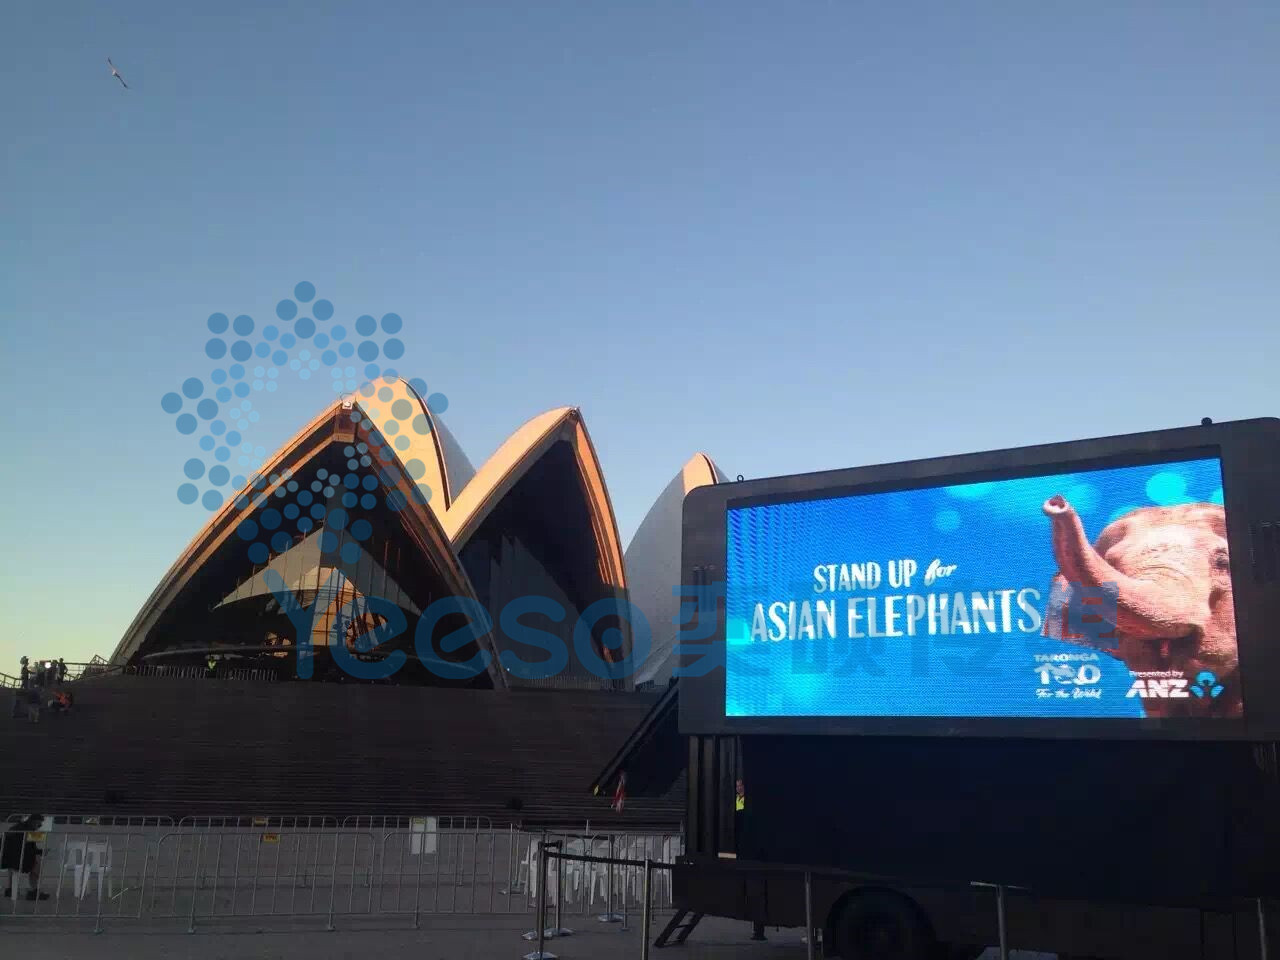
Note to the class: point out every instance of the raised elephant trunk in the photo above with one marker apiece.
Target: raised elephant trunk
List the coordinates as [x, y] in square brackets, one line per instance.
[1158, 604]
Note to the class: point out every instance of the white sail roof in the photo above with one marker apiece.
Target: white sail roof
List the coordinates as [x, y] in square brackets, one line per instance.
[653, 564]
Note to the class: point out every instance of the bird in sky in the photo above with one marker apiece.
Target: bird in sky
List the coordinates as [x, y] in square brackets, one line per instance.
[116, 73]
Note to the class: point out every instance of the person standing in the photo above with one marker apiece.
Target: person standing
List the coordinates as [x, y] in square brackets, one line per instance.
[21, 855]
[62, 670]
[32, 698]
[26, 674]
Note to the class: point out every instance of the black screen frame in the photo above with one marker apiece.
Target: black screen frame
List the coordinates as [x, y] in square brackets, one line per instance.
[1249, 452]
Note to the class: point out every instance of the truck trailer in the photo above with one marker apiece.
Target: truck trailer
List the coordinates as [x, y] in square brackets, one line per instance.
[1023, 698]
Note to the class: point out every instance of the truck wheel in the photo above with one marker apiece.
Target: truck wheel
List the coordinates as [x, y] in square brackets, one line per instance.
[882, 926]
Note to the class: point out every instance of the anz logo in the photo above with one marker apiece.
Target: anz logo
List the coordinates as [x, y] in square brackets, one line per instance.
[1206, 686]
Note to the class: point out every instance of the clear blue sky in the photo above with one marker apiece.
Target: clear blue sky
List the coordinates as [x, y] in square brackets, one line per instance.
[797, 236]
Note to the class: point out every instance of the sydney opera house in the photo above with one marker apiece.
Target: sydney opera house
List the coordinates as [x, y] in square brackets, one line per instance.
[350, 633]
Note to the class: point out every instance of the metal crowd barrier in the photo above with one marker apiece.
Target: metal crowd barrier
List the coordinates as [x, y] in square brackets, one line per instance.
[238, 874]
[205, 869]
[461, 822]
[209, 869]
[196, 672]
[101, 820]
[238, 821]
[552, 851]
[81, 873]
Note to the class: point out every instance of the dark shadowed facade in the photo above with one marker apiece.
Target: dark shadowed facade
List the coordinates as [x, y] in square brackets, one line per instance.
[259, 673]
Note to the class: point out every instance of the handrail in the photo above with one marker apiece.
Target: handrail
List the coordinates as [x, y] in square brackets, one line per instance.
[75, 670]
[96, 668]
[564, 683]
[197, 672]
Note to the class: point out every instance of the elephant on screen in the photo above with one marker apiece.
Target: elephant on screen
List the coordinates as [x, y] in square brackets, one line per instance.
[1174, 613]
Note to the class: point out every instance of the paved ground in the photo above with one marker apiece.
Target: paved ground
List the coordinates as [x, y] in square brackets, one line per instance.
[243, 890]
[441, 938]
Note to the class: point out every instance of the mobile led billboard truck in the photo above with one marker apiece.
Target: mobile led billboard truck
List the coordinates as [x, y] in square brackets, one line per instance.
[1123, 587]
[1052, 668]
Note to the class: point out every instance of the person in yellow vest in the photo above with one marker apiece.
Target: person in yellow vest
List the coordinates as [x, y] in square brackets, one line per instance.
[739, 812]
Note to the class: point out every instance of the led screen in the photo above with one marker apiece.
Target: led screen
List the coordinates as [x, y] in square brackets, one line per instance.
[1100, 593]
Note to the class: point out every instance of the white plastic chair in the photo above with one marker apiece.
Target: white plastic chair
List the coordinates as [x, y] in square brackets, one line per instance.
[585, 881]
[535, 877]
[639, 850]
[573, 872]
[598, 873]
[89, 857]
[628, 878]
[672, 848]
[73, 857]
[98, 860]
[554, 866]
[531, 868]
[524, 869]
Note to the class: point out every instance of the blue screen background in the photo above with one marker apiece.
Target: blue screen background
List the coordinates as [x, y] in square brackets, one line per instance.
[997, 536]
